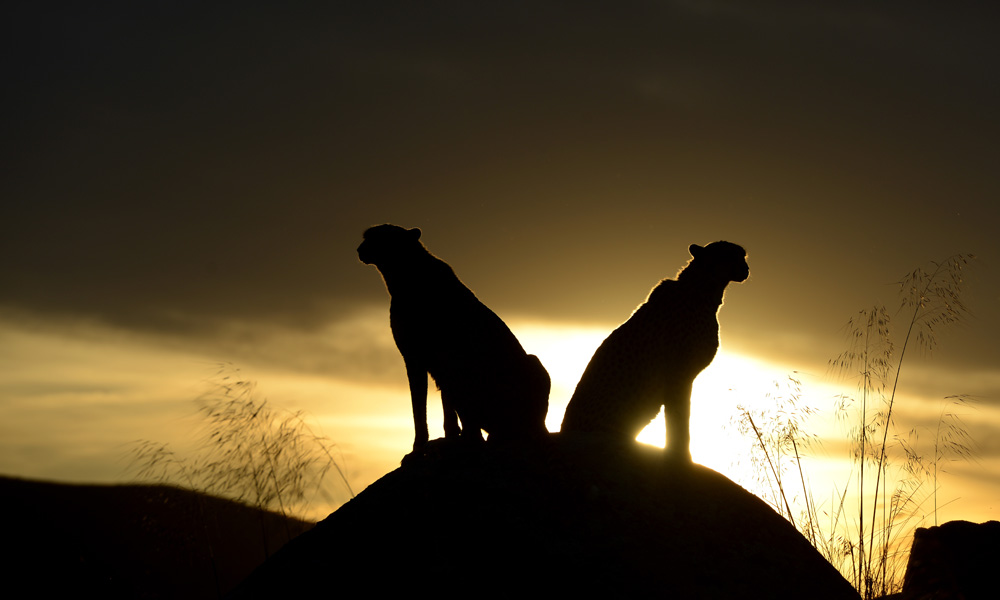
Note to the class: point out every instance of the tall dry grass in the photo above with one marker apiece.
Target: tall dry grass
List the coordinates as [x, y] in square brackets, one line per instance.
[891, 481]
[248, 451]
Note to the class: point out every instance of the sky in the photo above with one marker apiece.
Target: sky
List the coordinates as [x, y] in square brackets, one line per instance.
[186, 184]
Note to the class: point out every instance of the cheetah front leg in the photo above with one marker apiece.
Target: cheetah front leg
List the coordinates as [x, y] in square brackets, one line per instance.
[416, 375]
[677, 414]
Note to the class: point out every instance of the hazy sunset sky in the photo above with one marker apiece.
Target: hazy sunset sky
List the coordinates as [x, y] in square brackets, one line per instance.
[185, 184]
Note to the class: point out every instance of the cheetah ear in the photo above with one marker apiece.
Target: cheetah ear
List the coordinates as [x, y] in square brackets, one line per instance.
[414, 233]
[695, 250]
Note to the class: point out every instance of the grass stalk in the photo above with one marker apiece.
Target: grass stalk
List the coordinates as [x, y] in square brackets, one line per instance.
[887, 472]
[774, 472]
[248, 452]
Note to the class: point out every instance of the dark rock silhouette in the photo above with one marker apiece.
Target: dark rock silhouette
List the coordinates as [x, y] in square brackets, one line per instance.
[652, 359]
[440, 327]
[575, 516]
[956, 560]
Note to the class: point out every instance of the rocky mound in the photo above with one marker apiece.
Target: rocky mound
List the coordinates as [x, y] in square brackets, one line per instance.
[564, 515]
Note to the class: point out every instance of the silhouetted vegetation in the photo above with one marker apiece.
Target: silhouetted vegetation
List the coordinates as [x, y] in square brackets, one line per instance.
[249, 451]
[869, 539]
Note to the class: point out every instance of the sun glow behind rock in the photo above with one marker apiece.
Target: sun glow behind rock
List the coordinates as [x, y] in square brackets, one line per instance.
[565, 351]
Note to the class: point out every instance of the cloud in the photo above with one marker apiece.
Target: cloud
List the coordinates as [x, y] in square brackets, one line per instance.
[74, 400]
[225, 164]
[71, 404]
[202, 177]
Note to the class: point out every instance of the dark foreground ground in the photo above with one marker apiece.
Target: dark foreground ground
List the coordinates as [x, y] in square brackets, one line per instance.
[124, 541]
[561, 516]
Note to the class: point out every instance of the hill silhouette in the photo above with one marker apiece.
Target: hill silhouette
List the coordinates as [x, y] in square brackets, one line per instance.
[567, 515]
[131, 541]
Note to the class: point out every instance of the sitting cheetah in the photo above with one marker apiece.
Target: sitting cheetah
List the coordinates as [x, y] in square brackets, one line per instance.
[651, 360]
[440, 327]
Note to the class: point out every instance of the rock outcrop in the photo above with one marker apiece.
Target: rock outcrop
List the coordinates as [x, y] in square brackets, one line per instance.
[956, 560]
[562, 515]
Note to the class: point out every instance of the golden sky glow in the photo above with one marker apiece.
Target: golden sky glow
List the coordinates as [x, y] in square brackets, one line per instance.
[75, 403]
[185, 187]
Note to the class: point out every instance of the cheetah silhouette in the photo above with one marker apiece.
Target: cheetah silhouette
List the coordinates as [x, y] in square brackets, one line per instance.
[440, 327]
[651, 360]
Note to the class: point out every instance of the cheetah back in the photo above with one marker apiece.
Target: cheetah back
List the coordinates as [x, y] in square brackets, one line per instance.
[650, 359]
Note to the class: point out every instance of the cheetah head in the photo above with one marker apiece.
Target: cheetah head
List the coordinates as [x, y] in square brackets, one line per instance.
[727, 260]
[384, 243]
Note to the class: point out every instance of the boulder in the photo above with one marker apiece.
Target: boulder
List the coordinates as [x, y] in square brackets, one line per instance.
[957, 560]
[566, 515]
